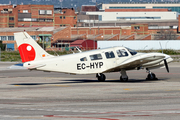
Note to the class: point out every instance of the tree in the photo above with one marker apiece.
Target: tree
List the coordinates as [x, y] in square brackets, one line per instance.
[2, 46]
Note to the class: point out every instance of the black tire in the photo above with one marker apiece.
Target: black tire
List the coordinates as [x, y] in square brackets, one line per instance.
[101, 78]
[151, 76]
[123, 79]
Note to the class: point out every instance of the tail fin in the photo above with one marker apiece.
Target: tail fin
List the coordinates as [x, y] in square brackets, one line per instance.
[28, 48]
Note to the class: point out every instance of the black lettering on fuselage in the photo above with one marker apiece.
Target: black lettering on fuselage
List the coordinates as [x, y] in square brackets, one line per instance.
[94, 65]
[100, 64]
[83, 66]
[79, 66]
[91, 65]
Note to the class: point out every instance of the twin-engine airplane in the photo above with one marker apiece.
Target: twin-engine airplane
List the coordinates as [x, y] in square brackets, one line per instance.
[114, 59]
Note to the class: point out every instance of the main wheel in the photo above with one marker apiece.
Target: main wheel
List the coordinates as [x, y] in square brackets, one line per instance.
[101, 77]
[151, 76]
[123, 79]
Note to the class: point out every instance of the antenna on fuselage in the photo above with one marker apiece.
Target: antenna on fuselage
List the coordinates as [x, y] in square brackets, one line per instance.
[78, 49]
[161, 46]
[54, 51]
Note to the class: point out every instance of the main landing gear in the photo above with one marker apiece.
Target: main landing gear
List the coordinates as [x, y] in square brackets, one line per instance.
[123, 77]
[101, 77]
[151, 76]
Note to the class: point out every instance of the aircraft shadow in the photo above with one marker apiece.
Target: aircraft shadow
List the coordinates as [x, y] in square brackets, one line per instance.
[116, 80]
[63, 82]
[88, 81]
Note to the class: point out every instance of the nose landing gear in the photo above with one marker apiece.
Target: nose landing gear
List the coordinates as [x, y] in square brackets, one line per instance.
[151, 76]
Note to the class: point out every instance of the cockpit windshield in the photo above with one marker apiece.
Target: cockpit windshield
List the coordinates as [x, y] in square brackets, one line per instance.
[133, 52]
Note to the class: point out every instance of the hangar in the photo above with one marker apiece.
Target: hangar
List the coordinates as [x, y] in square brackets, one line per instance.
[85, 44]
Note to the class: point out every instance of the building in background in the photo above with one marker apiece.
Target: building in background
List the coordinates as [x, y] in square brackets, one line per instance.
[46, 36]
[126, 17]
[173, 6]
[36, 16]
[65, 17]
[127, 23]
[84, 44]
[60, 28]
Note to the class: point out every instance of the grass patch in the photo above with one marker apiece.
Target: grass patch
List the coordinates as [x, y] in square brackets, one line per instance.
[170, 52]
[14, 56]
[59, 52]
[10, 56]
[165, 51]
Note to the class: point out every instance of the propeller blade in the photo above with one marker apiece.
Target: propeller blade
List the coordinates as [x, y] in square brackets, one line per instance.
[166, 65]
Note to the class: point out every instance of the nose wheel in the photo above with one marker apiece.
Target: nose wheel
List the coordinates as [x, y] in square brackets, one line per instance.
[151, 76]
[101, 77]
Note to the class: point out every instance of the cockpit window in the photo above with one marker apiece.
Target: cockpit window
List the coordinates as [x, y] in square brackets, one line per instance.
[133, 52]
[122, 53]
[83, 59]
[109, 54]
[96, 57]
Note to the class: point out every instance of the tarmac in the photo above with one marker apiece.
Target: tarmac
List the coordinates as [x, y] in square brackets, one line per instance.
[36, 95]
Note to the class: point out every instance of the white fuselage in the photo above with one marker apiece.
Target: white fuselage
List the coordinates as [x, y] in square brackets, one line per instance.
[99, 61]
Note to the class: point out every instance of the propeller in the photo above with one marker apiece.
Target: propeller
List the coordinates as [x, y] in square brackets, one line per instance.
[165, 62]
[166, 65]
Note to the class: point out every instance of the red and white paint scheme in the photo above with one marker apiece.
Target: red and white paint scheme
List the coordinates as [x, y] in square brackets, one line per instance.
[97, 62]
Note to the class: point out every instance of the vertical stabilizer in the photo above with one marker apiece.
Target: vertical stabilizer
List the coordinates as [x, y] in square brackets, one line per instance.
[28, 48]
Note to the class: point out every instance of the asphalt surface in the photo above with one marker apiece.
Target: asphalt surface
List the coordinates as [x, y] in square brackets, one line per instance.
[36, 95]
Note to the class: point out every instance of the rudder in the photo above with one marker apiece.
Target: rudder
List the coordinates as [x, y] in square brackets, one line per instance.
[28, 48]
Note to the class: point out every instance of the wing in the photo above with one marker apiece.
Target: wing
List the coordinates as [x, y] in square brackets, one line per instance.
[142, 60]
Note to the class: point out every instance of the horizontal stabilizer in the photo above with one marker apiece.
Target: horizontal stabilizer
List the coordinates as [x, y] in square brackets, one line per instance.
[36, 66]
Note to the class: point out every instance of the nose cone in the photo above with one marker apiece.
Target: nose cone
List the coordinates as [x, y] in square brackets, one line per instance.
[168, 58]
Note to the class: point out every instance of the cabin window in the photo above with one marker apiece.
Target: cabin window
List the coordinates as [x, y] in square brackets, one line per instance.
[133, 52]
[122, 53]
[83, 59]
[109, 54]
[96, 57]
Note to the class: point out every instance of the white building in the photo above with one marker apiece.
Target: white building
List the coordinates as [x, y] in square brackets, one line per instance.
[117, 16]
[172, 6]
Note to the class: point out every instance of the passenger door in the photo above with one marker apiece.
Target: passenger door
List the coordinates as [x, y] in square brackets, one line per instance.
[110, 59]
[122, 55]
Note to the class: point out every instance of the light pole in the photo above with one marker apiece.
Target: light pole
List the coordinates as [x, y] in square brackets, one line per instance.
[43, 42]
